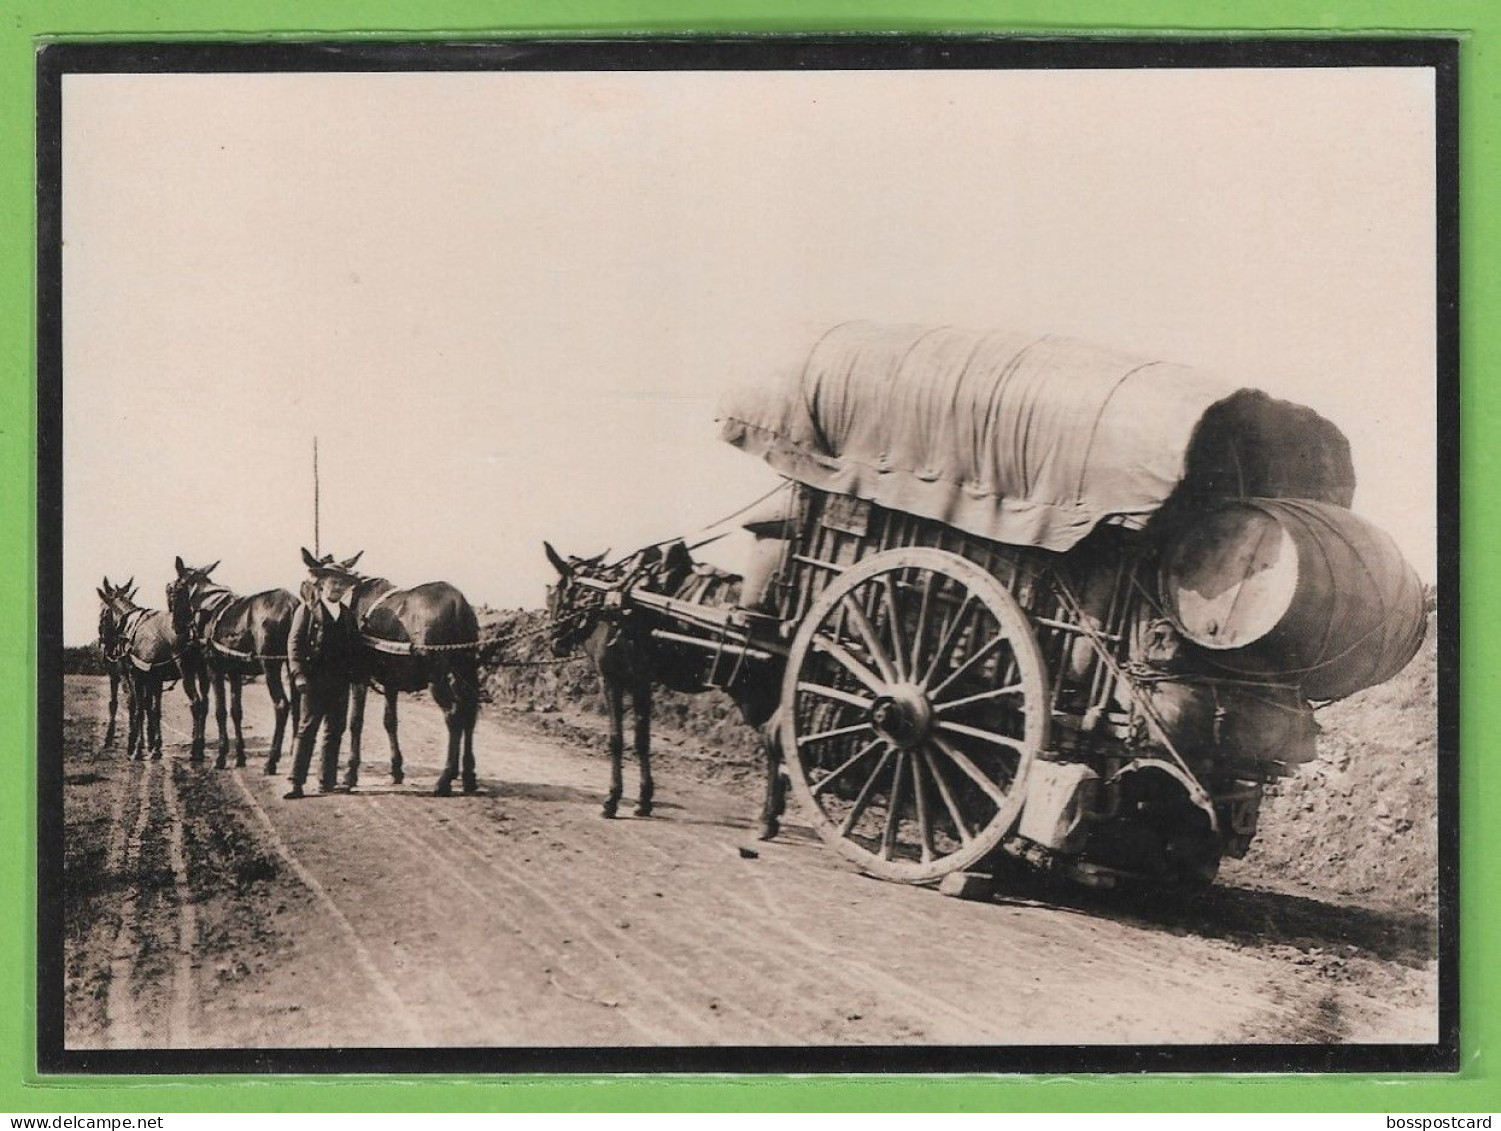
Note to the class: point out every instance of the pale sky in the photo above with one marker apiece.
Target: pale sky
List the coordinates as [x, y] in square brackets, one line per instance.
[508, 303]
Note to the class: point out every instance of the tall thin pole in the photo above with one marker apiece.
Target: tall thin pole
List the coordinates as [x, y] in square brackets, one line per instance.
[317, 549]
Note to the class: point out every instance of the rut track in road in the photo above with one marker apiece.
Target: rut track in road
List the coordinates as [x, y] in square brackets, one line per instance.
[403, 1012]
[775, 976]
[510, 902]
[181, 1012]
[363, 959]
[122, 1021]
[556, 900]
[752, 1014]
[612, 944]
[777, 940]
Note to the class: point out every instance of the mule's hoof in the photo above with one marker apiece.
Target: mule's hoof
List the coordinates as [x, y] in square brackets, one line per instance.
[293, 794]
[608, 812]
[769, 830]
[471, 786]
[443, 789]
[351, 783]
[270, 769]
[643, 810]
[397, 778]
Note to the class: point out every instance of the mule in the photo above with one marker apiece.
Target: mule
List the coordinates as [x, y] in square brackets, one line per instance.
[112, 651]
[237, 637]
[631, 661]
[422, 638]
[151, 656]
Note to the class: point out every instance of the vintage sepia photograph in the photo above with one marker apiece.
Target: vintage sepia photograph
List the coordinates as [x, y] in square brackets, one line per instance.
[748, 555]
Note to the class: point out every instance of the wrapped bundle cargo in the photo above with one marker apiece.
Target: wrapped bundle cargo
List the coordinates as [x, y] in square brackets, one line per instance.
[1026, 439]
[1294, 591]
[1235, 723]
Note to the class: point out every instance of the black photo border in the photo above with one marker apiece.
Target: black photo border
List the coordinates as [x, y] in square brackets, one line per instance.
[748, 53]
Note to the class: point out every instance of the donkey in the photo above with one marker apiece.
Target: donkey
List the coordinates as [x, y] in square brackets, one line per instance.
[630, 660]
[152, 655]
[237, 637]
[422, 638]
[112, 649]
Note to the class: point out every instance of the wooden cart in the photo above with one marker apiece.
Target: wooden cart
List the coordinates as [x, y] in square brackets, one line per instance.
[947, 695]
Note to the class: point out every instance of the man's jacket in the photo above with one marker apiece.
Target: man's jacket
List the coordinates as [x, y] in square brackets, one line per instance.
[321, 645]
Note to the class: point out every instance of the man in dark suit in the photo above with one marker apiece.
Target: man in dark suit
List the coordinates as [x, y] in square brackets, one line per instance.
[320, 652]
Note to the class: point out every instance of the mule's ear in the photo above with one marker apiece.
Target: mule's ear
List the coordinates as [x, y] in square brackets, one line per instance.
[308, 559]
[182, 570]
[107, 585]
[128, 583]
[557, 563]
[103, 596]
[129, 592]
[206, 570]
[348, 563]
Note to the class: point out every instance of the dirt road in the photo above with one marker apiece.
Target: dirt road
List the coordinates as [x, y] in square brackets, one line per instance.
[202, 909]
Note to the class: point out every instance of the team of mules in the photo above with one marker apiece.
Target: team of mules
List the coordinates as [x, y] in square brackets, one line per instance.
[424, 638]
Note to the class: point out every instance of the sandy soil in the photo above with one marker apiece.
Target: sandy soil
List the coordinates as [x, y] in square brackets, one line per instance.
[204, 910]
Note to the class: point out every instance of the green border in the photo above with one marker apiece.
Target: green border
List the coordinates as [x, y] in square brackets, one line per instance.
[1477, 1087]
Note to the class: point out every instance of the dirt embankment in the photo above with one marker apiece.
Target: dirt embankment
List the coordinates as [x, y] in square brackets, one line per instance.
[1361, 819]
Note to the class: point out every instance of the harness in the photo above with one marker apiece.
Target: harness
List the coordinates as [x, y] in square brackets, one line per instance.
[225, 599]
[128, 629]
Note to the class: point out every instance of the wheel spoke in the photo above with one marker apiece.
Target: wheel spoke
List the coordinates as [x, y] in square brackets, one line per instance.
[863, 799]
[837, 695]
[894, 807]
[823, 783]
[894, 620]
[968, 665]
[949, 638]
[983, 735]
[850, 664]
[867, 635]
[920, 796]
[960, 824]
[922, 620]
[962, 760]
[994, 693]
[835, 733]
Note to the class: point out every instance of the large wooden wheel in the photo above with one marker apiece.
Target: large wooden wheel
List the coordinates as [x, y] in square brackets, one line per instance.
[914, 700]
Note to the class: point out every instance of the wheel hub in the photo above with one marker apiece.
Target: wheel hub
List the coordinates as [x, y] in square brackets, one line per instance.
[902, 716]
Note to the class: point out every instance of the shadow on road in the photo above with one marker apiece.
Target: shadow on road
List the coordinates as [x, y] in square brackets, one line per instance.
[1249, 917]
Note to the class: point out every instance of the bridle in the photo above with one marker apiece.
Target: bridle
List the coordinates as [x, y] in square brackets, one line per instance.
[202, 615]
[576, 611]
[601, 599]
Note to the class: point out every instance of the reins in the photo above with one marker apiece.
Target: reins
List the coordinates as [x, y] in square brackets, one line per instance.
[412, 647]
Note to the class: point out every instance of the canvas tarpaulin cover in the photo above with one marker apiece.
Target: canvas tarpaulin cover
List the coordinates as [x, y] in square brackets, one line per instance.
[1025, 439]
